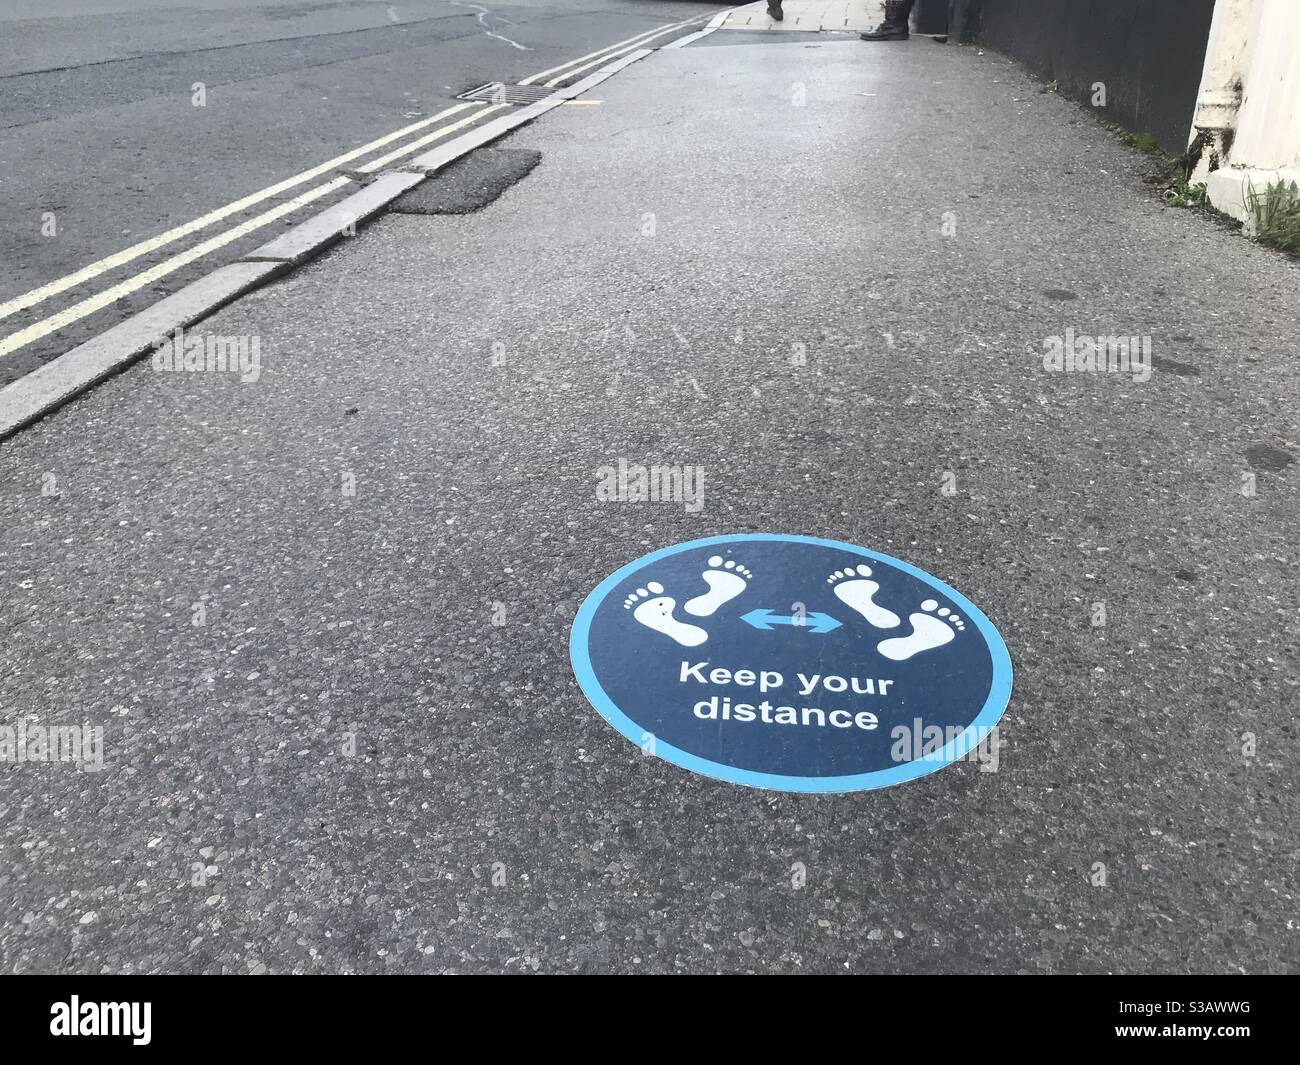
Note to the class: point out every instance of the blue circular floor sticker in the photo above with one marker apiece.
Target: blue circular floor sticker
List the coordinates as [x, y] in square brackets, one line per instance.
[790, 663]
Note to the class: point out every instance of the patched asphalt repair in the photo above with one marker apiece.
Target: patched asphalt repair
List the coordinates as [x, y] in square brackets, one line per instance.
[469, 184]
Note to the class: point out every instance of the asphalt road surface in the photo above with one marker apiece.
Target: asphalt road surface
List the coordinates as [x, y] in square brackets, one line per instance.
[321, 615]
[121, 120]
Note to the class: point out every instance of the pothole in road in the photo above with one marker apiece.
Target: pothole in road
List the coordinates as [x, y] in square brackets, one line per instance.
[1269, 458]
[470, 183]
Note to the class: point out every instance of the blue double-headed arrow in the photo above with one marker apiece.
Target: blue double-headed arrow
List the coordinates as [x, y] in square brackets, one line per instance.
[815, 622]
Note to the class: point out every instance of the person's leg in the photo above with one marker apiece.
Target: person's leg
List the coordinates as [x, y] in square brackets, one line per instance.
[894, 28]
[774, 10]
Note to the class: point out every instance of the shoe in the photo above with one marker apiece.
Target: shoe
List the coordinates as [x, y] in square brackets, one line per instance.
[894, 28]
[886, 31]
[774, 11]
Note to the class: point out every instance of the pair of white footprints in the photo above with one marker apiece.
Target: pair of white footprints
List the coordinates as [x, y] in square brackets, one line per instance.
[726, 580]
[932, 626]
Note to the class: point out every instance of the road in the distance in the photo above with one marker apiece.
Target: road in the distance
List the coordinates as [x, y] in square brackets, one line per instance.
[102, 145]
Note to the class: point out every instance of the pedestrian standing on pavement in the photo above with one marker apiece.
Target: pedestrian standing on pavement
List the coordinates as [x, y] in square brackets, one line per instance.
[894, 28]
[774, 11]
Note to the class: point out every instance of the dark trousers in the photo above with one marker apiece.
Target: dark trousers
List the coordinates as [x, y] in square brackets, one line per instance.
[899, 11]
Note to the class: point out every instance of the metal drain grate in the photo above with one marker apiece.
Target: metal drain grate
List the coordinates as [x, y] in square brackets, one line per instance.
[498, 92]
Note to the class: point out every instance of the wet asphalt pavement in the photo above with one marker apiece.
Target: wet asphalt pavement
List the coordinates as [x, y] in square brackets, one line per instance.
[322, 617]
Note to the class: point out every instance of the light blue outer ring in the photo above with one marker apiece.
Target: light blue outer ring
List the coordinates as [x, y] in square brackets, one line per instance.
[989, 715]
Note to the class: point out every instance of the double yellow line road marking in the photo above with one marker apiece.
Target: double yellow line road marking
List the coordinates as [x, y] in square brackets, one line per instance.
[612, 52]
[53, 323]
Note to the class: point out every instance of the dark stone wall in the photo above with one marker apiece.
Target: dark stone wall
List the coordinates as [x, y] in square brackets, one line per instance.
[1149, 53]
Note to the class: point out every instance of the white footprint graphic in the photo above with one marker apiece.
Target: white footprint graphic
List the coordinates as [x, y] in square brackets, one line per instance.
[657, 614]
[855, 591]
[928, 632]
[726, 580]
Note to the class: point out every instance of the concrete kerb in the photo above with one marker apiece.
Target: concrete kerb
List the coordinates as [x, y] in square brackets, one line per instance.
[36, 394]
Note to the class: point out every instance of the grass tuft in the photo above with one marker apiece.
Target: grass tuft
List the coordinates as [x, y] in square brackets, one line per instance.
[1275, 215]
[1143, 142]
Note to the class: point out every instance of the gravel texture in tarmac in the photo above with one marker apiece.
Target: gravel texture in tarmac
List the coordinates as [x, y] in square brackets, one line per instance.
[825, 275]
